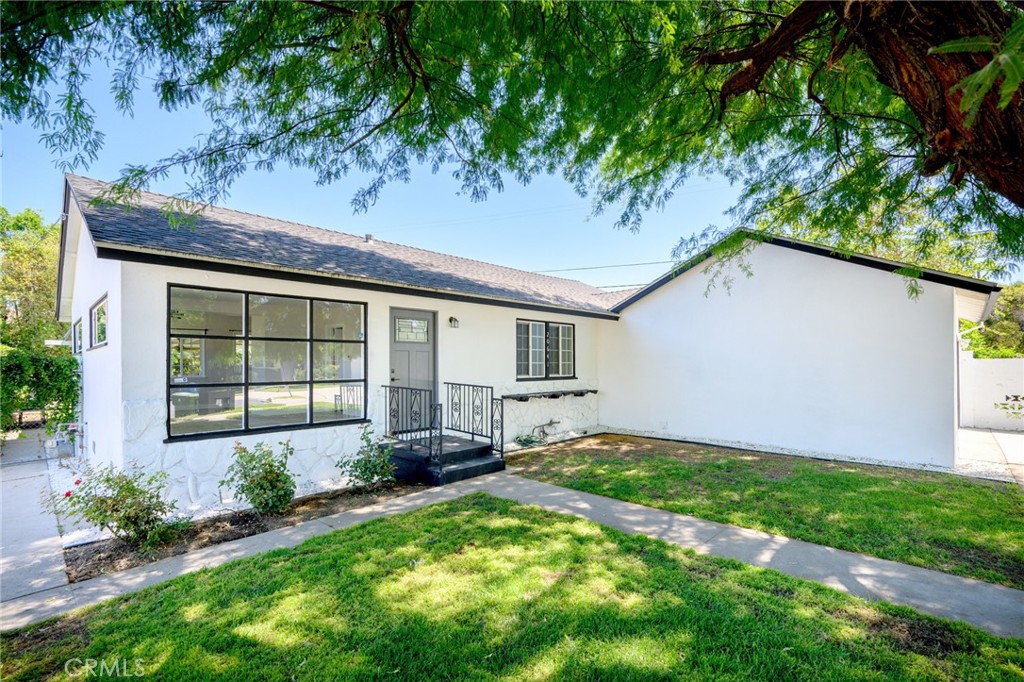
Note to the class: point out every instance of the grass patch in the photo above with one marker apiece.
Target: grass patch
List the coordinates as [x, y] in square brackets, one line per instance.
[949, 523]
[485, 589]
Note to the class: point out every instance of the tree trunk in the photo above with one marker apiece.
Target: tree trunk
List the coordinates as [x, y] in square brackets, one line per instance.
[896, 36]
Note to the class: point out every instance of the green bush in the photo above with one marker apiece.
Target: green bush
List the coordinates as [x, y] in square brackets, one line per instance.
[262, 478]
[32, 380]
[372, 466]
[127, 502]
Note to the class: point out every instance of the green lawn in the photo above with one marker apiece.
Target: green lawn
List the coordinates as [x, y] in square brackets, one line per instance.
[948, 523]
[484, 589]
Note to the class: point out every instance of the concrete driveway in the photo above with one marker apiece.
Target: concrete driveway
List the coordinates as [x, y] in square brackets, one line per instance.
[991, 454]
[31, 554]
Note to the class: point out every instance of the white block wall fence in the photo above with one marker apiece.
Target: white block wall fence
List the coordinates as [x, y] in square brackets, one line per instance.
[991, 390]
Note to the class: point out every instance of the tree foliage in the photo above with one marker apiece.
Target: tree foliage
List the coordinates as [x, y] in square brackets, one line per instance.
[824, 111]
[1002, 334]
[32, 375]
[28, 281]
[37, 380]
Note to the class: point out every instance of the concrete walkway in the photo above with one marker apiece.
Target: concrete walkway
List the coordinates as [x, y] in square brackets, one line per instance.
[31, 554]
[997, 609]
[988, 453]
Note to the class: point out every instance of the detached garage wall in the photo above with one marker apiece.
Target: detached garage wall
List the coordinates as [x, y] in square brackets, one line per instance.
[810, 356]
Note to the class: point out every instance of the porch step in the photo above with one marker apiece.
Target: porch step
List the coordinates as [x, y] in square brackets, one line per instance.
[469, 468]
[453, 450]
[461, 458]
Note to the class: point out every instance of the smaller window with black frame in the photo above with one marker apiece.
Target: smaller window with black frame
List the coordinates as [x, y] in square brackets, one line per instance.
[76, 336]
[98, 324]
[545, 350]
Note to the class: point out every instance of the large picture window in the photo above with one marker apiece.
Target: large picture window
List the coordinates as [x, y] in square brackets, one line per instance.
[545, 350]
[247, 362]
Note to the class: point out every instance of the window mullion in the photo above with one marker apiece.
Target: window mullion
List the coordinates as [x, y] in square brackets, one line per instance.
[245, 361]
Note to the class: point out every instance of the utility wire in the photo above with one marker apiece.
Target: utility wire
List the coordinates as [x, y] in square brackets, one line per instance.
[604, 267]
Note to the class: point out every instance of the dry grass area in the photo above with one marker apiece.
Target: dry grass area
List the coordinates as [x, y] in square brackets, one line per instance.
[958, 525]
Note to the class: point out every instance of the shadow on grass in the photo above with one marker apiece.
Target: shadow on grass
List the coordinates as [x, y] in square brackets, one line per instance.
[938, 521]
[482, 588]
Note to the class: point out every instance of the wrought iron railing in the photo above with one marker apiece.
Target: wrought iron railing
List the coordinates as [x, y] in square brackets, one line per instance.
[468, 405]
[408, 409]
[473, 410]
[498, 426]
[413, 416]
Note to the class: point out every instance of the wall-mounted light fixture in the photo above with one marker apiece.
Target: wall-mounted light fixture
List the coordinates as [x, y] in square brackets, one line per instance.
[453, 322]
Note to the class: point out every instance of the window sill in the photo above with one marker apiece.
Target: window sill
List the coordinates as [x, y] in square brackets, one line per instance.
[266, 429]
[572, 378]
[98, 345]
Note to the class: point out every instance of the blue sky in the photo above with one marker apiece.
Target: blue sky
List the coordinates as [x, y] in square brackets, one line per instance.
[542, 226]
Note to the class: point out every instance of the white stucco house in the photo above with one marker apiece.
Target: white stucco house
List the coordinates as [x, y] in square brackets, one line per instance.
[248, 328]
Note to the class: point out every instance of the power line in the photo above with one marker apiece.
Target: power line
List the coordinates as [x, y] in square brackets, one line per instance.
[604, 267]
[620, 286]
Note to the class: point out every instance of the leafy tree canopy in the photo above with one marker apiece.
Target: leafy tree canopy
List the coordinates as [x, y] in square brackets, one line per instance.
[1002, 334]
[850, 116]
[28, 280]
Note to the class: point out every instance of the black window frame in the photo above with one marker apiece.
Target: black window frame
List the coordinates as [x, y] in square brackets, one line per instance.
[547, 351]
[93, 343]
[246, 383]
[77, 336]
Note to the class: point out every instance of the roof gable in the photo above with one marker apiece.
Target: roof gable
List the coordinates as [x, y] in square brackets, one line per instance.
[955, 281]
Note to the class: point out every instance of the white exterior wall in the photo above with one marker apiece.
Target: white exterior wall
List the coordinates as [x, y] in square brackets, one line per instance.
[101, 366]
[985, 383]
[810, 356]
[480, 351]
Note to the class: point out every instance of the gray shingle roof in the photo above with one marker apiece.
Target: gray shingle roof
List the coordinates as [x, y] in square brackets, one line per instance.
[226, 235]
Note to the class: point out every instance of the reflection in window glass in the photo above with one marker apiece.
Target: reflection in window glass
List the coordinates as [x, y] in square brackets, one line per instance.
[200, 312]
[205, 409]
[337, 361]
[278, 317]
[206, 361]
[277, 361]
[334, 320]
[338, 401]
[279, 405]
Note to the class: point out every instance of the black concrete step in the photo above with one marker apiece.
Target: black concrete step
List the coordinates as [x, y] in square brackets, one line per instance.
[453, 450]
[466, 469]
[461, 458]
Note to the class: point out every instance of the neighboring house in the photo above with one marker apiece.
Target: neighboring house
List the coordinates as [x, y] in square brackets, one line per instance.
[248, 328]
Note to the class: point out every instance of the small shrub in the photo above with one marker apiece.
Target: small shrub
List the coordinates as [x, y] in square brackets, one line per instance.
[372, 466]
[127, 502]
[262, 478]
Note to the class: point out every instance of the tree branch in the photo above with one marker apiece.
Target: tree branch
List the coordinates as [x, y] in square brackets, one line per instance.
[760, 56]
